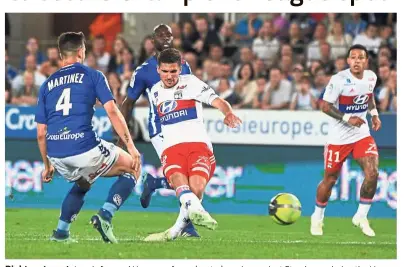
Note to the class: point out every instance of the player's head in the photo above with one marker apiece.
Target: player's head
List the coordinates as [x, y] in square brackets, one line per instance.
[162, 37]
[358, 57]
[169, 66]
[72, 45]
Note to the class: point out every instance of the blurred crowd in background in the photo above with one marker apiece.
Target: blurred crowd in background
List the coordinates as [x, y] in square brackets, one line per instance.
[263, 61]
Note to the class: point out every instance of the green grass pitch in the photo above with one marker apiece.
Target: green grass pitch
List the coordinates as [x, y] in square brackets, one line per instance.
[238, 237]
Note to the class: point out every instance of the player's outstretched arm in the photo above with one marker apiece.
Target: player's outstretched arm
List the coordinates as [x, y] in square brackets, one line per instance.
[230, 119]
[119, 124]
[329, 109]
[47, 174]
[376, 123]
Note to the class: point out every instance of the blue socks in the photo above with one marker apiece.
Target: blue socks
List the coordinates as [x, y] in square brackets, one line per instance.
[71, 206]
[74, 201]
[161, 182]
[117, 195]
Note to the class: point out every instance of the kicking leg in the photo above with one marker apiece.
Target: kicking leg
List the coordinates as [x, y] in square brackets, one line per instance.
[198, 215]
[187, 198]
[150, 184]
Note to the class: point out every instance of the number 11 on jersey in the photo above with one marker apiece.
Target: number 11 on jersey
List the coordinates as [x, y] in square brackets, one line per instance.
[64, 102]
[336, 155]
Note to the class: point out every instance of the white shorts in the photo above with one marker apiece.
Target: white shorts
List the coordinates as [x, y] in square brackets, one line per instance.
[157, 142]
[90, 165]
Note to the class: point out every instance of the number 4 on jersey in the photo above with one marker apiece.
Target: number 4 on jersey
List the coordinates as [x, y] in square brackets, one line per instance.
[64, 102]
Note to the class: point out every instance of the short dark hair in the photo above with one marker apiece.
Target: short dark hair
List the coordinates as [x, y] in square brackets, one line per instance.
[70, 42]
[262, 76]
[319, 69]
[359, 47]
[169, 56]
[275, 67]
[158, 28]
[225, 61]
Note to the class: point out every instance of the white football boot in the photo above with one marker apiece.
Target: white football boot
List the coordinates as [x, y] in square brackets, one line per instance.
[199, 216]
[202, 218]
[316, 227]
[363, 224]
[159, 237]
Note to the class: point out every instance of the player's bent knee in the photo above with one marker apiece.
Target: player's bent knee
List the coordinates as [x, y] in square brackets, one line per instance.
[197, 185]
[177, 179]
[123, 164]
[125, 160]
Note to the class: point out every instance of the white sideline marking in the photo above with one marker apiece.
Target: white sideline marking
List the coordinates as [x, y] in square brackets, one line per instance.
[127, 239]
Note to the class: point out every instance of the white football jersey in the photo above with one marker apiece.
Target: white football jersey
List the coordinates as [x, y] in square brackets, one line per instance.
[351, 96]
[180, 110]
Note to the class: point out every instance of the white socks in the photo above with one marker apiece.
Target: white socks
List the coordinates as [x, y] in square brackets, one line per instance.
[318, 213]
[180, 224]
[363, 210]
[188, 199]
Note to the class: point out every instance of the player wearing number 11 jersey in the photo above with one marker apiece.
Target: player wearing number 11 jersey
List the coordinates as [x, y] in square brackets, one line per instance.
[68, 143]
[347, 99]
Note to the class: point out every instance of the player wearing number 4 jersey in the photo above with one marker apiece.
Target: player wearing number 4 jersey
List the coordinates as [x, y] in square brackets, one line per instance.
[347, 99]
[68, 143]
[187, 159]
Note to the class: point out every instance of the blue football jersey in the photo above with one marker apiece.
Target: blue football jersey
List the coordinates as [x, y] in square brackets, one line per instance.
[66, 105]
[143, 79]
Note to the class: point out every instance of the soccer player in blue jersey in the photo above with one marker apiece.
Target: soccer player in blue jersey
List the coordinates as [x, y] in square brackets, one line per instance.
[143, 79]
[68, 143]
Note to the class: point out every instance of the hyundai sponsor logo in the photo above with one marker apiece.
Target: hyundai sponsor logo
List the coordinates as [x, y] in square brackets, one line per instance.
[167, 106]
[361, 99]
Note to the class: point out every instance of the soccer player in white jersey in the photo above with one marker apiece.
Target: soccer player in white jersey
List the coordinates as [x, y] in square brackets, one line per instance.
[143, 79]
[347, 99]
[187, 159]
